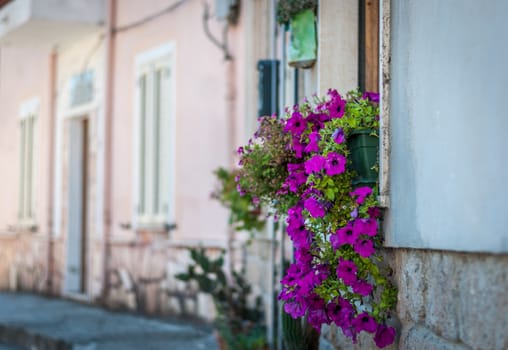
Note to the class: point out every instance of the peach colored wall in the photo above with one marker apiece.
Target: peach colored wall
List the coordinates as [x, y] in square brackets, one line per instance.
[24, 74]
[202, 136]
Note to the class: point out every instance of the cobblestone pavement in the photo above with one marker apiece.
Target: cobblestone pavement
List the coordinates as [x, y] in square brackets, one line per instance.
[34, 322]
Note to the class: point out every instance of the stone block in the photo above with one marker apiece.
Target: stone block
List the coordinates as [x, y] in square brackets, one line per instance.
[410, 267]
[325, 345]
[421, 338]
[205, 306]
[483, 311]
[190, 306]
[442, 299]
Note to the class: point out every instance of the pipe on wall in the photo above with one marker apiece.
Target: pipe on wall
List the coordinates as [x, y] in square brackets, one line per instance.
[108, 143]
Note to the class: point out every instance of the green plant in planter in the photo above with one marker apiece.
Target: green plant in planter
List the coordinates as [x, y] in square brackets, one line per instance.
[240, 326]
[360, 124]
[287, 9]
[338, 275]
[245, 213]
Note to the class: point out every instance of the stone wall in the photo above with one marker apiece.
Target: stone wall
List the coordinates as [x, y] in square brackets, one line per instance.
[142, 279]
[447, 300]
[24, 263]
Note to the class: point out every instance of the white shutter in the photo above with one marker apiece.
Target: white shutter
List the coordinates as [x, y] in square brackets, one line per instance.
[165, 144]
[22, 163]
[154, 103]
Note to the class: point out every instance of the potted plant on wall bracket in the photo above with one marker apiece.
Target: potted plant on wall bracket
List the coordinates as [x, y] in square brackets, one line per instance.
[299, 16]
[361, 124]
[302, 167]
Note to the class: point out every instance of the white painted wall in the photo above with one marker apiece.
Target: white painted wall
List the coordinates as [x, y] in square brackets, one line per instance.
[448, 114]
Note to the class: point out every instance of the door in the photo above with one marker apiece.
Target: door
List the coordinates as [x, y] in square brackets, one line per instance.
[77, 212]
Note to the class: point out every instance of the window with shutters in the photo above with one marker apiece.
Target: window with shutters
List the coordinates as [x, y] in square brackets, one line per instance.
[26, 198]
[154, 139]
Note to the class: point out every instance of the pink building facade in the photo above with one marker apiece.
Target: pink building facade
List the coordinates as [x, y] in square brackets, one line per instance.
[114, 115]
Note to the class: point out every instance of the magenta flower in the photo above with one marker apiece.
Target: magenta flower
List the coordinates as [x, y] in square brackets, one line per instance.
[361, 193]
[299, 235]
[297, 147]
[364, 322]
[346, 270]
[365, 227]
[295, 309]
[315, 164]
[338, 136]
[345, 235]
[384, 336]
[364, 247]
[336, 106]
[313, 142]
[340, 312]
[372, 96]
[363, 288]
[296, 177]
[374, 212]
[239, 190]
[335, 164]
[239, 150]
[296, 124]
[295, 213]
[317, 317]
[315, 208]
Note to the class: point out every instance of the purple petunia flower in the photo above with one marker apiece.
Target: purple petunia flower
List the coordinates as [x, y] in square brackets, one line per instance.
[372, 96]
[340, 312]
[315, 208]
[364, 247]
[295, 213]
[345, 235]
[335, 164]
[346, 270]
[297, 147]
[313, 142]
[295, 309]
[338, 136]
[384, 336]
[299, 235]
[295, 124]
[315, 164]
[239, 189]
[374, 212]
[296, 177]
[363, 288]
[361, 193]
[336, 105]
[364, 322]
[365, 227]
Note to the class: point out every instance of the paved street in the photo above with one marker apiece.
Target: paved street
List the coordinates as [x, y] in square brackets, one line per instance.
[33, 322]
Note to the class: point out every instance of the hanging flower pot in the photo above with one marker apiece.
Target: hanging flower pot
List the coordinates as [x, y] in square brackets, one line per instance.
[364, 147]
[302, 42]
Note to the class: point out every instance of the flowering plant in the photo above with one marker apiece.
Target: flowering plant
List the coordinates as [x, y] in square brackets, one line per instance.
[243, 213]
[288, 8]
[299, 167]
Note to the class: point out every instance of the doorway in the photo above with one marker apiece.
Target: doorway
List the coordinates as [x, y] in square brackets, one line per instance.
[77, 229]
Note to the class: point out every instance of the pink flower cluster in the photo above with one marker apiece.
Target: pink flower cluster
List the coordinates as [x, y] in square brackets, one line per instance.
[308, 272]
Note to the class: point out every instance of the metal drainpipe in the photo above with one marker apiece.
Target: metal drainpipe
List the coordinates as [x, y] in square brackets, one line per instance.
[273, 54]
[282, 104]
[230, 110]
[53, 66]
[108, 135]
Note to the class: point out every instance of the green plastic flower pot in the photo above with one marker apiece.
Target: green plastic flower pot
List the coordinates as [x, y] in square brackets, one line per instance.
[302, 41]
[364, 148]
